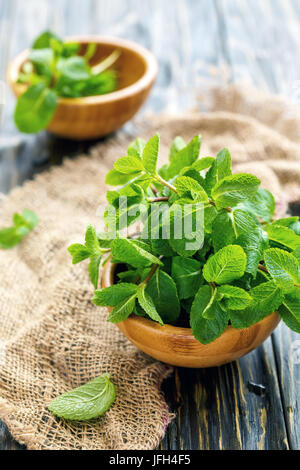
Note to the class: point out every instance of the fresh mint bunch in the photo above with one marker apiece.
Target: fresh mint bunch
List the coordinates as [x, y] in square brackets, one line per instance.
[242, 266]
[22, 225]
[54, 69]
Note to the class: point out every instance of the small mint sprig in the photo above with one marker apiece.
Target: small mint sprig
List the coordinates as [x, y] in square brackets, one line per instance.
[90, 250]
[23, 224]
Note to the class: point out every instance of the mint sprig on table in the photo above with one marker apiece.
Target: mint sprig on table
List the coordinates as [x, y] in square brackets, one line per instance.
[86, 402]
[244, 266]
[54, 69]
[22, 225]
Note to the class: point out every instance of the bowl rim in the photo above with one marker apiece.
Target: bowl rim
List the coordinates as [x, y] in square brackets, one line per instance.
[107, 280]
[151, 70]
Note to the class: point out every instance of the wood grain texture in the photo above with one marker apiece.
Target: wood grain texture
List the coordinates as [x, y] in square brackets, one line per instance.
[194, 40]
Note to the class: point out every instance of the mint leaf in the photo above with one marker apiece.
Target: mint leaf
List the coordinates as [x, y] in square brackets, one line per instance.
[147, 304]
[94, 264]
[262, 205]
[234, 189]
[150, 155]
[292, 303]
[189, 187]
[283, 267]
[43, 60]
[223, 164]
[131, 252]
[267, 297]
[204, 330]
[78, 252]
[226, 265]
[177, 145]
[122, 310]
[113, 295]
[86, 402]
[163, 292]
[289, 319]
[136, 148]
[283, 235]
[35, 108]
[235, 298]
[222, 231]
[186, 273]
[22, 225]
[185, 157]
[115, 178]
[91, 250]
[73, 68]
[286, 222]
[44, 40]
[129, 165]
[186, 239]
[203, 163]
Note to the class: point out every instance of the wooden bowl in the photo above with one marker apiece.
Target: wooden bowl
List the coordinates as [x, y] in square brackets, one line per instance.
[177, 346]
[97, 116]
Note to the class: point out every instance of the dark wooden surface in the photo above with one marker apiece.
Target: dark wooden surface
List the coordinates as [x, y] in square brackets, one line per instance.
[256, 40]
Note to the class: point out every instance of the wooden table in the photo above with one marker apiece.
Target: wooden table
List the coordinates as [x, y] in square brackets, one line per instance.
[218, 408]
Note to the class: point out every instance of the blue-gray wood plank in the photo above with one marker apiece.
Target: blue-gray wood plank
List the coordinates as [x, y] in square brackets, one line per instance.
[251, 40]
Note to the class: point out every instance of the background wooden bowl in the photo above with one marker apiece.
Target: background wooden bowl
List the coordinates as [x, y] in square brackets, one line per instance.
[177, 346]
[97, 116]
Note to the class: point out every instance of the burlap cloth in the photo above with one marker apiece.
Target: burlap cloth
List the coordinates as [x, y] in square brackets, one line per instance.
[52, 338]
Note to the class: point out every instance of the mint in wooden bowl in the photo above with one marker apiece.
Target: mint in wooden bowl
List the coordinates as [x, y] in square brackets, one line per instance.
[200, 283]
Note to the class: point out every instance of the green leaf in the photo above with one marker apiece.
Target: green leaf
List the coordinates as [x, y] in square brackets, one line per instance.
[147, 304]
[73, 68]
[286, 222]
[188, 237]
[113, 295]
[226, 265]
[204, 330]
[283, 267]
[115, 178]
[129, 165]
[44, 40]
[234, 189]
[222, 231]
[292, 303]
[122, 310]
[185, 157]
[262, 205]
[235, 298]
[283, 235]
[78, 252]
[91, 240]
[43, 60]
[130, 252]
[150, 155]
[94, 264]
[188, 186]
[289, 319]
[136, 148]
[177, 145]
[187, 275]
[23, 224]
[267, 297]
[163, 292]
[29, 218]
[86, 402]
[203, 163]
[223, 164]
[35, 108]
